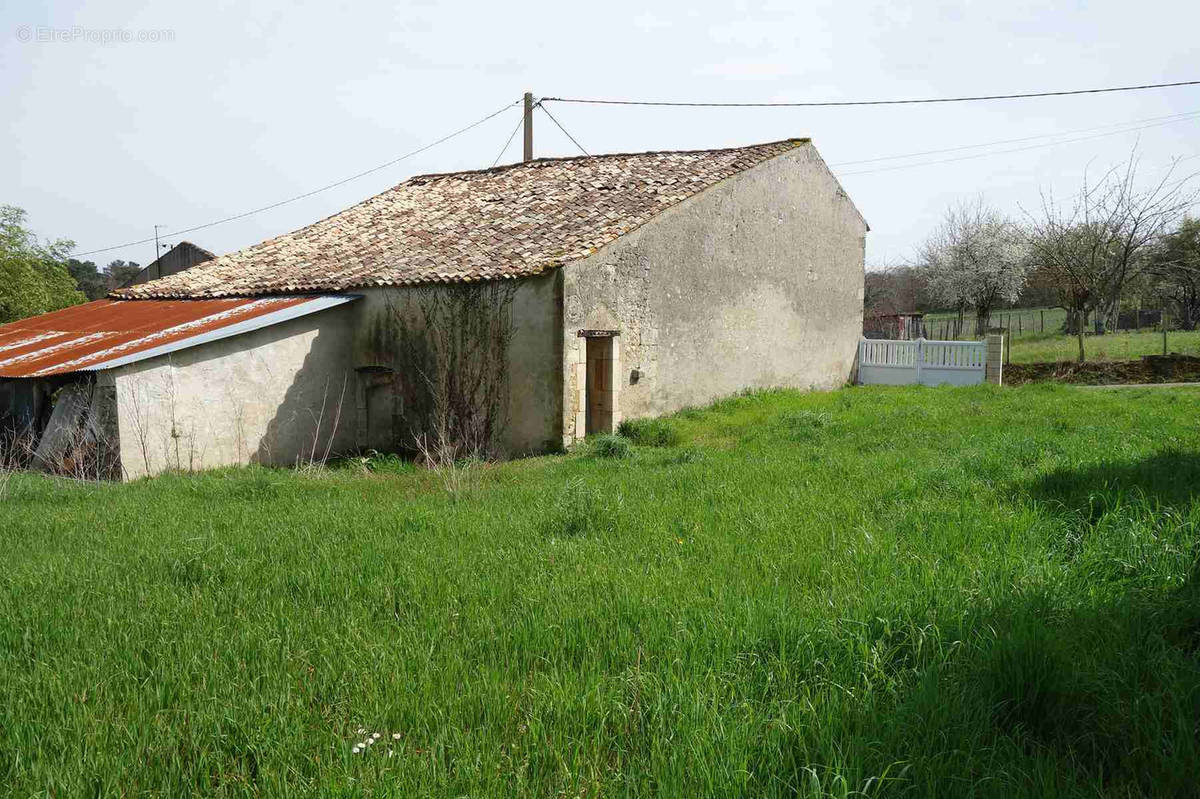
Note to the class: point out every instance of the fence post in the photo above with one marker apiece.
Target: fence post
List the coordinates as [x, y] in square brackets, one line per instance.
[1043, 321]
[920, 357]
[993, 370]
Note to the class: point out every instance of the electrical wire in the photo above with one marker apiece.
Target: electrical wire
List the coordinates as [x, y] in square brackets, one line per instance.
[560, 127]
[843, 103]
[504, 149]
[540, 103]
[1169, 117]
[306, 194]
[1016, 149]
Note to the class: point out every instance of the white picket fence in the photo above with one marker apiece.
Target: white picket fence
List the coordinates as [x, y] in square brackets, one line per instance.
[928, 363]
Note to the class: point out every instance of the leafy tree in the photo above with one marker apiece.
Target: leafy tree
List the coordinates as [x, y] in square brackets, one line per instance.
[88, 278]
[34, 277]
[119, 273]
[976, 259]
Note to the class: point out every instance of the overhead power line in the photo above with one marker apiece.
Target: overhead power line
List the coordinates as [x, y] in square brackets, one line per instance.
[1182, 118]
[508, 141]
[326, 187]
[1163, 119]
[560, 127]
[841, 103]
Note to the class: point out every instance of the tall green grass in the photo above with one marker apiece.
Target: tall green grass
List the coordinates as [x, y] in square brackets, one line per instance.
[919, 592]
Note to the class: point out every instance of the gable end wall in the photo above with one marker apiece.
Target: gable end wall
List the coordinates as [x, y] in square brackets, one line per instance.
[756, 282]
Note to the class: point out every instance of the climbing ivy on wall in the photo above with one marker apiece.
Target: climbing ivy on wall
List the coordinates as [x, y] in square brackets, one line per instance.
[448, 349]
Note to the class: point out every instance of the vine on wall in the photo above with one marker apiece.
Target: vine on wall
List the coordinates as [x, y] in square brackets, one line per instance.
[448, 349]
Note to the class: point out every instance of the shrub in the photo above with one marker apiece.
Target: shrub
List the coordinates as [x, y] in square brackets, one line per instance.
[650, 432]
[611, 446]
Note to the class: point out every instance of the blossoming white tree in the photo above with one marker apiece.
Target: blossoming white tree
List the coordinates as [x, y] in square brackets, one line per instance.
[974, 260]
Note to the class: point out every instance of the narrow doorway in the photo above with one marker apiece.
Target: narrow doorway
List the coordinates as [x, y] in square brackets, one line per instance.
[601, 398]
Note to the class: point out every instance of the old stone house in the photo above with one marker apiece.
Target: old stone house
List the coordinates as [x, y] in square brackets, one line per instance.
[632, 285]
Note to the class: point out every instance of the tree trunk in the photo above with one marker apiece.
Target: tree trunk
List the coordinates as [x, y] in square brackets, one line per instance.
[1079, 333]
[981, 317]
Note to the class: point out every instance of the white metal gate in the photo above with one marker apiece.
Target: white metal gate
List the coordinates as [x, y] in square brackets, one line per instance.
[928, 363]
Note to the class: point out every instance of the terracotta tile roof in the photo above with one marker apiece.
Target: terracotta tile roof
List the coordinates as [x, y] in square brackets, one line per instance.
[508, 222]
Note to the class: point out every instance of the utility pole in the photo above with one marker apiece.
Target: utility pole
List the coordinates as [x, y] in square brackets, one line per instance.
[156, 245]
[528, 126]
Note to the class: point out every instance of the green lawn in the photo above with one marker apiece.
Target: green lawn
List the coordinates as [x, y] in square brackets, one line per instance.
[919, 592]
[1038, 348]
[1030, 344]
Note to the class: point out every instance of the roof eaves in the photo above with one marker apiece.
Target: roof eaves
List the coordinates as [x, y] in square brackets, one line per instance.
[229, 331]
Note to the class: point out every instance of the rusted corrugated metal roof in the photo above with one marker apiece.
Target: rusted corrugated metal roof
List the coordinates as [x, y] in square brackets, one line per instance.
[108, 333]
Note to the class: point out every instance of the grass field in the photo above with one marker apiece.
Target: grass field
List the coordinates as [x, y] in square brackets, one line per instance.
[1031, 345]
[1039, 348]
[1022, 321]
[917, 592]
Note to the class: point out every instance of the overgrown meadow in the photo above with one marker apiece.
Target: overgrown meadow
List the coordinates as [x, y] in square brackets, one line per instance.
[883, 592]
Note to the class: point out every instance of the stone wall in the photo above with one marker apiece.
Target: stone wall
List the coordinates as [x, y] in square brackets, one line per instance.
[534, 401]
[311, 386]
[276, 396]
[756, 282]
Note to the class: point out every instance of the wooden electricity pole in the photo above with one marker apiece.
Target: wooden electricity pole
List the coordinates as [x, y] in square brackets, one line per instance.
[528, 126]
[157, 246]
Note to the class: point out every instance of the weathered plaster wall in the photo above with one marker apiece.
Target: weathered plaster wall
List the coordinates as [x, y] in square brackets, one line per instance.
[266, 396]
[756, 282]
[534, 405]
[260, 397]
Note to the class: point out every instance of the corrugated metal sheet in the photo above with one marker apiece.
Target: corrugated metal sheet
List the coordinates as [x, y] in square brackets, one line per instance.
[108, 333]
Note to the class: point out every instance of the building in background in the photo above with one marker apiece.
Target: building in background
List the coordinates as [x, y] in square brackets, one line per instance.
[183, 255]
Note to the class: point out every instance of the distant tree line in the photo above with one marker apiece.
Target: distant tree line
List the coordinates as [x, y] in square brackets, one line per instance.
[1118, 244]
[40, 276]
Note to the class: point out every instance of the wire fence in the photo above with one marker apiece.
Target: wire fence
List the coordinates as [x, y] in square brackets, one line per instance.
[1037, 335]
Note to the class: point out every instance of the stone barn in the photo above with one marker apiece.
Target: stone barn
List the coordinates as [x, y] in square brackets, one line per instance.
[526, 306]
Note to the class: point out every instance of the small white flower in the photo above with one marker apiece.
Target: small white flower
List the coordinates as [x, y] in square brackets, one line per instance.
[355, 750]
[375, 736]
[360, 731]
[391, 753]
[395, 736]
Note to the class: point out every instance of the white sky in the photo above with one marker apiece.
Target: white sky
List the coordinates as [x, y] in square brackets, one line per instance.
[253, 102]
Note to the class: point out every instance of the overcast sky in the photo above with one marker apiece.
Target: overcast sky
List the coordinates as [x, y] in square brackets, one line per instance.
[238, 105]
